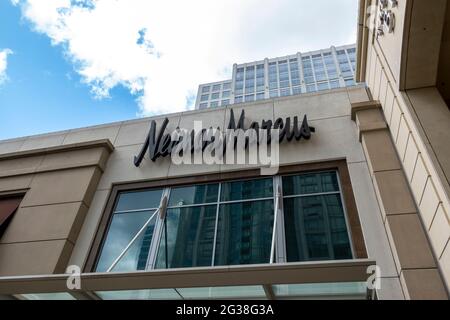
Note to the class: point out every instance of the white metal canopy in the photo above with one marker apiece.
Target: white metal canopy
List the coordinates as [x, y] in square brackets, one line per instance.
[328, 279]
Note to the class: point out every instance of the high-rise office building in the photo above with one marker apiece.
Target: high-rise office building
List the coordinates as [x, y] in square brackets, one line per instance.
[284, 76]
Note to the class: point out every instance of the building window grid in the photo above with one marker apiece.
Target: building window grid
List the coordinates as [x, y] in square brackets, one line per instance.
[216, 88]
[284, 85]
[280, 240]
[296, 71]
[332, 65]
[325, 67]
[274, 92]
[205, 89]
[325, 71]
[313, 71]
[348, 61]
[240, 83]
[214, 104]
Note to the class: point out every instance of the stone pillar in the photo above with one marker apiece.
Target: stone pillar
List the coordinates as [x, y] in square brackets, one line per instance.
[415, 262]
[58, 185]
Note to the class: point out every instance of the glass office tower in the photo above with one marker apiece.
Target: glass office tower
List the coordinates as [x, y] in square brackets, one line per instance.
[291, 75]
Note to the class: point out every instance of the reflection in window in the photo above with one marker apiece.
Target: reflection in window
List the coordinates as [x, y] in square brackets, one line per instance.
[316, 229]
[244, 233]
[228, 223]
[198, 194]
[187, 237]
[131, 213]
[248, 189]
[315, 223]
[310, 183]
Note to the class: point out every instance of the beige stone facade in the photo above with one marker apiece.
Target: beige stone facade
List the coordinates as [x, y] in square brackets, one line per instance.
[68, 178]
[57, 184]
[405, 70]
[387, 139]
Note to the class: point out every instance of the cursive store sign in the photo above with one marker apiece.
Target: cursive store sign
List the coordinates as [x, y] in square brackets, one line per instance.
[162, 144]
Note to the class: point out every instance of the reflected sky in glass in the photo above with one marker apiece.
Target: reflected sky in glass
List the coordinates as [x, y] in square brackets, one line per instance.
[122, 230]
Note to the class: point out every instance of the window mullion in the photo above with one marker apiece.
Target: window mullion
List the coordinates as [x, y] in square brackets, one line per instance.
[274, 248]
[281, 236]
[216, 225]
[157, 234]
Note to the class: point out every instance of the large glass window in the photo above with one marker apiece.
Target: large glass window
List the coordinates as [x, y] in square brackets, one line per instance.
[260, 71]
[228, 223]
[187, 237]
[315, 223]
[244, 230]
[132, 211]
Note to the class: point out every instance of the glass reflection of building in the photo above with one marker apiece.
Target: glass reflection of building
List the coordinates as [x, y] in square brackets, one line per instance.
[204, 228]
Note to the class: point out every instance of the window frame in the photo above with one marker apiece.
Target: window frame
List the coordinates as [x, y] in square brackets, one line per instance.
[354, 229]
[8, 196]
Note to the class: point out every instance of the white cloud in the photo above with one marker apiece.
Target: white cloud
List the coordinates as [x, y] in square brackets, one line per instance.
[162, 50]
[4, 64]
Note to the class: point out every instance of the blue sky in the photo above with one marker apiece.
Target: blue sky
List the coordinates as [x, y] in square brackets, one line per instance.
[43, 93]
[75, 63]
